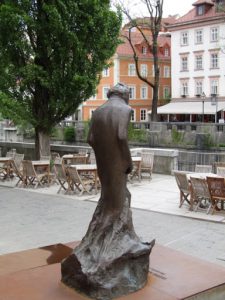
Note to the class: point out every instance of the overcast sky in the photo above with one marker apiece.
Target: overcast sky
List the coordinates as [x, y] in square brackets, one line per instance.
[170, 7]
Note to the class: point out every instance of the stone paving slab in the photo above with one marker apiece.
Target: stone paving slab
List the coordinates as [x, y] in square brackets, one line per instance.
[30, 219]
[160, 194]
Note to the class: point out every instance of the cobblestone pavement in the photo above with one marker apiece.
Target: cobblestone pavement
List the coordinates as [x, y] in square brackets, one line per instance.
[31, 219]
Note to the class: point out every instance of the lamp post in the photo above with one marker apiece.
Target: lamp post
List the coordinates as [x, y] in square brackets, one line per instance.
[214, 102]
[203, 104]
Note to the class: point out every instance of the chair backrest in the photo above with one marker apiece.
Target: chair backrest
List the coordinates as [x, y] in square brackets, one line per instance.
[182, 180]
[200, 187]
[10, 153]
[60, 171]
[45, 157]
[216, 186]
[220, 171]
[73, 175]
[92, 158]
[28, 168]
[18, 160]
[58, 160]
[54, 155]
[203, 168]
[83, 151]
[147, 160]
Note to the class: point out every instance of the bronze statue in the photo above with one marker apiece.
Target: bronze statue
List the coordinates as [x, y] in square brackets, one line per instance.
[111, 260]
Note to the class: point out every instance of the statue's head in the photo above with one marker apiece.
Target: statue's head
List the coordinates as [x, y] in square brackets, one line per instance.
[121, 90]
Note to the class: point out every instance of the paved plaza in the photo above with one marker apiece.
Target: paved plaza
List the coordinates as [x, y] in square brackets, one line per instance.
[31, 218]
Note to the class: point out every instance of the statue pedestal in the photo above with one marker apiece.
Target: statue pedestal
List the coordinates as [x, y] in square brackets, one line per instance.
[26, 275]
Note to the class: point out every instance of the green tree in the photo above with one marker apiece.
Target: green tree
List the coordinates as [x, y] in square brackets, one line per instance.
[51, 55]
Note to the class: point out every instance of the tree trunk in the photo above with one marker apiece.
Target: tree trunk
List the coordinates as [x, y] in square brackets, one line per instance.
[42, 143]
[154, 115]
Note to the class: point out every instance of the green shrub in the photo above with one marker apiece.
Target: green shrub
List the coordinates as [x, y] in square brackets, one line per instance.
[136, 135]
[69, 134]
[177, 137]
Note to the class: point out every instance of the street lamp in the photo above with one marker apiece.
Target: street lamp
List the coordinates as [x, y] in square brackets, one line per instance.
[214, 102]
[203, 103]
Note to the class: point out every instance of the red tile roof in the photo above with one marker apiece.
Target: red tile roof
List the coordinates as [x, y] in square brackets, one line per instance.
[137, 38]
[192, 16]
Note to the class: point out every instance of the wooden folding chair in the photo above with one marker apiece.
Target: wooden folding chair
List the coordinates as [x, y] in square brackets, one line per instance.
[216, 187]
[203, 168]
[82, 184]
[147, 160]
[220, 171]
[17, 168]
[184, 187]
[31, 177]
[61, 176]
[200, 193]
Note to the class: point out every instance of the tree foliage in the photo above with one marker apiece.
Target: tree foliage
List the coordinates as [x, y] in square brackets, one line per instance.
[51, 55]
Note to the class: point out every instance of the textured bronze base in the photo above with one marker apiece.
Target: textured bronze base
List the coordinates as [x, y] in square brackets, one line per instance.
[174, 275]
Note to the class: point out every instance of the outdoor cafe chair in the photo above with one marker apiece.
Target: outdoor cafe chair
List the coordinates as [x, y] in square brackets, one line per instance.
[216, 187]
[82, 184]
[200, 193]
[203, 168]
[92, 158]
[61, 176]
[220, 171]
[184, 186]
[17, 168]
[147, 160]
[31, 177]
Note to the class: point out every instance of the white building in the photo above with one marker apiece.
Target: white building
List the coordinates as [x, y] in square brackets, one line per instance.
[198, 64]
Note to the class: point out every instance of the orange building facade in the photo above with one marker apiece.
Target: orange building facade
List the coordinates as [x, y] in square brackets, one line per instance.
[123, 69]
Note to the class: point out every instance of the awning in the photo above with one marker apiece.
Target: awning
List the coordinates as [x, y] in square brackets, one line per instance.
[190, 108]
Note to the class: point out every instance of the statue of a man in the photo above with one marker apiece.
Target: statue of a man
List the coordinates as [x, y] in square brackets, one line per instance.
[111, 260]
[108, 138]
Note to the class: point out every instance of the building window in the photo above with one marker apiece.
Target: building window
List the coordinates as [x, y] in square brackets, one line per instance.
[200, 10]
[105, 72]
[214, 34]
[132, 92]
[184, 88]
[143, 114]
[131, 70]
[199, 36]
[166, 52]
[214, 60]
[166, 71]
[144, 92]
[198, 87]
[214, 86]
[184, 63]
[184, 38]
[144, 70]
[144, 50]
[198, 62]
[166, 92]
[133, 115]
[105, 90]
